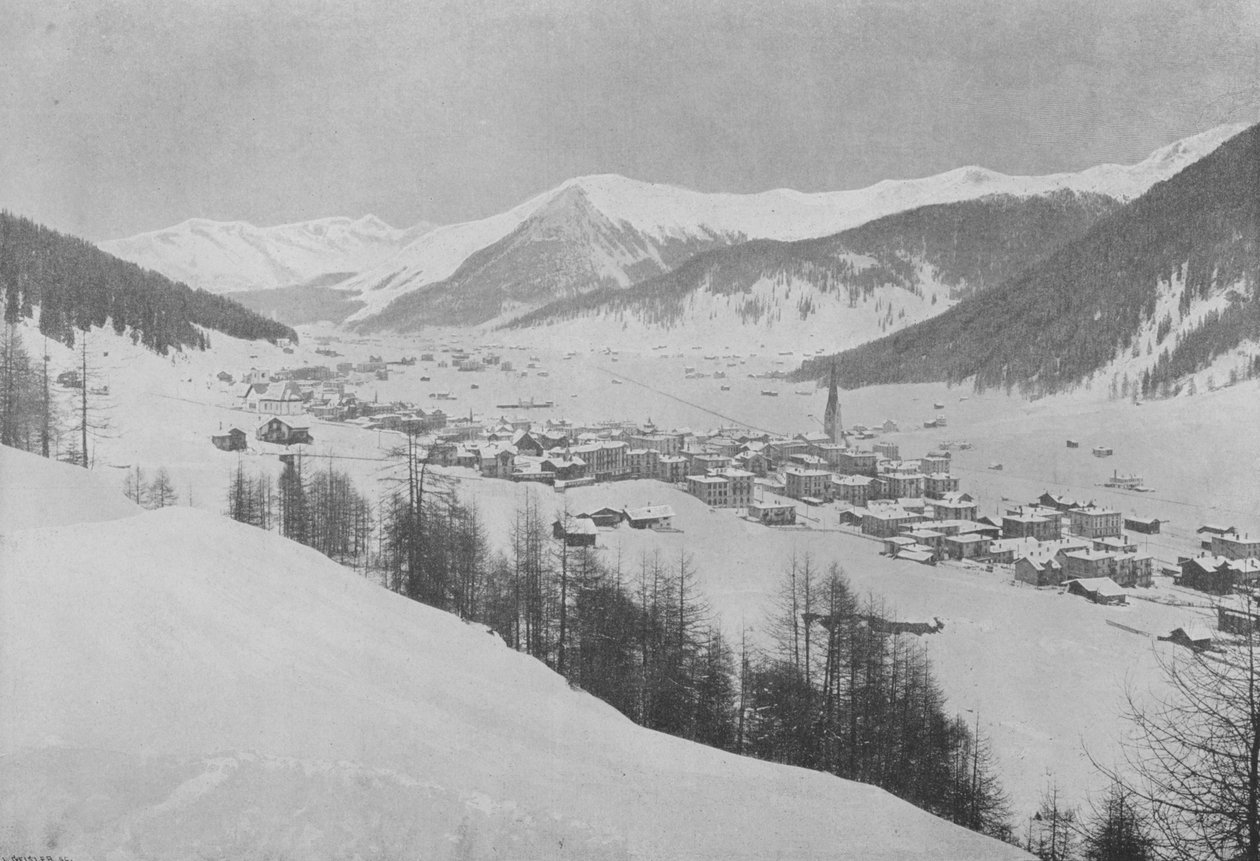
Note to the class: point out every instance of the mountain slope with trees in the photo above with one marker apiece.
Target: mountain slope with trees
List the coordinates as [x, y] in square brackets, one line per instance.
[75, 285]
[1195, 236]
[937, 254]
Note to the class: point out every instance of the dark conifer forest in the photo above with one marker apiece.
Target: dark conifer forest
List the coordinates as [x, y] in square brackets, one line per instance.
[1049, 328]
[72, 284]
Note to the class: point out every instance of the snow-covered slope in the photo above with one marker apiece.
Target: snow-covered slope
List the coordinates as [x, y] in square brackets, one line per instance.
[621, 231]
[38, 492]
[228, 256]
[176, 685]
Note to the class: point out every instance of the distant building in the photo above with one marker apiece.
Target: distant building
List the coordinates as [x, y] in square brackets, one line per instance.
[650, 517]
[234, 440]
[1145, 525]
[770, 514]
[1095, 522]
[577, 532]
[1100, 590]
[1032, 526]
[1238, 614]
[886, 522]
[806, 483]
[1218, 575]
[287, 430]
[603, 516]
[1233, 546]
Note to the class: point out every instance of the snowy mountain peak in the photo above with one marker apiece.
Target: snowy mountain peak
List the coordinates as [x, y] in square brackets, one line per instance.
[227, 256]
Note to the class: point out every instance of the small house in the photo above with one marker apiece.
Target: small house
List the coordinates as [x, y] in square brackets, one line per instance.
[606, 517]
[234, 440]
[650, 517]
[1145, 525]
[1193, 636]
[289, 430]
[769, 514]
[577, 532]
[1100, 590]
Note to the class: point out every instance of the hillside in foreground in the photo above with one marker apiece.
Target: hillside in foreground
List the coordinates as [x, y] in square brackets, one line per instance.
[181, 686]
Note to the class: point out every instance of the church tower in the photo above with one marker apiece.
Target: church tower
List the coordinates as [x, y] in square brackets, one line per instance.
[832, 425]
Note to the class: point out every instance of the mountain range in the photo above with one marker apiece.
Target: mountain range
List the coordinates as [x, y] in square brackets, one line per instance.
[593, 233]
[1155, 291]
[231, 256]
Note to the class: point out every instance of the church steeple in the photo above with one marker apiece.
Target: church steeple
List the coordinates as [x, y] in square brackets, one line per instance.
[832, 425]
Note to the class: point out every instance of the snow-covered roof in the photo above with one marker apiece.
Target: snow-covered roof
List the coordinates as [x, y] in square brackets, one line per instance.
[650, 512]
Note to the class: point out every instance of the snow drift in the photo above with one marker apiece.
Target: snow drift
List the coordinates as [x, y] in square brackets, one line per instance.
[176, 685]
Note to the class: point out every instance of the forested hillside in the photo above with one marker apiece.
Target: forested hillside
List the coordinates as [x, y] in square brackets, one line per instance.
[76, 285]
[964, 247]
[1052, 326]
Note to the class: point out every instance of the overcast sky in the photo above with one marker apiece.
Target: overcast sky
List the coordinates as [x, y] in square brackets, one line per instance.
[121, 117]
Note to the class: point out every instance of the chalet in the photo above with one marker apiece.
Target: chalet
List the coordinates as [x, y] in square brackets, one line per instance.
[1040, 570]
[923, 556]
[1094, 522]
[1057, 502]
[1238, 614]
[772, 514]
[225, 377]
[577, 532]
[497, 461]
[1213, 529]
[650, 517]
[1218, 575]
[442, 453]
[894, 544]
[564, 468]
[606, 517]
[929, 538]
[1100, 590]
[234, 440]
[1145, 525]
[1193, 636]
[287, 430]
[525, 443]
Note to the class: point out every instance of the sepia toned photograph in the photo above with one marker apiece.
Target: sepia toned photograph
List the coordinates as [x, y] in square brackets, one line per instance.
[545, 430]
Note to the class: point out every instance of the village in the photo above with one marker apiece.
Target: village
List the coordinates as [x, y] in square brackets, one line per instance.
[913, 508]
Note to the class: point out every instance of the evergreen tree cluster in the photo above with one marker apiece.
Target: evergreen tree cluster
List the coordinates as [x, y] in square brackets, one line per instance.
[836, 693]
[971, 245]
[75, 285]
[839, 693]
[29, 413]
[1052, 326]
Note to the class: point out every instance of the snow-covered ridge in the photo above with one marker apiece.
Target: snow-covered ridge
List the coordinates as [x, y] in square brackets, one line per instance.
[667, 213]
[226, 256]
